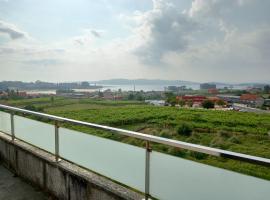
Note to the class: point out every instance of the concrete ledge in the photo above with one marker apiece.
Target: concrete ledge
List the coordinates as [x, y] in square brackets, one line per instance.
[63, 180]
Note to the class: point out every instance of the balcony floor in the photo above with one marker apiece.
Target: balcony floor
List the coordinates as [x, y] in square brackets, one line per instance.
[13, 188]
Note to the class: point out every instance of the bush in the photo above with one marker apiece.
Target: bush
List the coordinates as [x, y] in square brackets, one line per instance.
[184, 129]
[234, 140]
[198, 155]
[208, 104]
[177, 152]
[221, 102]
[33, 108]
[225, 134]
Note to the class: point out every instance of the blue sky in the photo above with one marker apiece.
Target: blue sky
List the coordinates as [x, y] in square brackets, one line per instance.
[72, 40]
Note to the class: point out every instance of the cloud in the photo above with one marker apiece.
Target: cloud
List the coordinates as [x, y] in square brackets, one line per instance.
[163, 29]
[43, 62]
[30, 50]
[88, 37]
[208, 40]
[215, 8]
[12, 31]
[241, 56]
[96, 33]
[82, 40]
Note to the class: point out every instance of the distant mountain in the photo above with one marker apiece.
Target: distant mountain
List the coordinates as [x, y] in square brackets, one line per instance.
[144, 82]
[39, 85]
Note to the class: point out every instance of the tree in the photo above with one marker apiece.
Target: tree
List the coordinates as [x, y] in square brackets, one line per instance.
[267, 89]
[220, 102]
[190, 103]
[170, 98]
[208, 104]
[182, 103]
[52, 99]
[100, 94]
[85, 84]
[172, 101]
[131, 97]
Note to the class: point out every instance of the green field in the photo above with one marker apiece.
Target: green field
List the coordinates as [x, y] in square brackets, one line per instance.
[229, 130]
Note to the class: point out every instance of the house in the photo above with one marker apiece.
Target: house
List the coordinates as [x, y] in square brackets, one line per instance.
[214, 99]
[3, 94]
[109, 95]
[230, 98]
[252, 100]
[267, 102]
[213, 91]
[22, 94]
[156, 102]
[195, 99]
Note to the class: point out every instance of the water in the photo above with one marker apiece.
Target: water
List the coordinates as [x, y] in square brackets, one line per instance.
[145, 88]
[37, 92]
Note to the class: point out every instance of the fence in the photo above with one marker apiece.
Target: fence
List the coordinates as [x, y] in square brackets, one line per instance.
[155, 174]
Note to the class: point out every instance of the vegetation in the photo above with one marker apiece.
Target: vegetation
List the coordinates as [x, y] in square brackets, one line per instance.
[208, 104]
[184, 129]
[235, 131]
[221, 103]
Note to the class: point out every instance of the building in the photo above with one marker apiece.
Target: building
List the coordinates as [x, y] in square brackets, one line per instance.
[213, 91]
[214, 99]
[267, 102]
[156, 102]
[195, 99]
[176, 88]
[230, 98]
[22, 94]
[3, 94]
[207, 86]
[252, 100]
[172, 88]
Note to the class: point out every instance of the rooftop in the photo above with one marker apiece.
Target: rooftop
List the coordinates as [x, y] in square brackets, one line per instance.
[14, 188]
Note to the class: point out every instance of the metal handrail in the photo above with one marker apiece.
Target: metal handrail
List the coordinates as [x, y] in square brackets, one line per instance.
[151, 138]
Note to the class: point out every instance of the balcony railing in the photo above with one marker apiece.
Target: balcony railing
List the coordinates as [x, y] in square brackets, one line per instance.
[155, 174]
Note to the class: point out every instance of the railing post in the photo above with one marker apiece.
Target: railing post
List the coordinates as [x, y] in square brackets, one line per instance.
[56, 126]
[12, 126]
[147, 170]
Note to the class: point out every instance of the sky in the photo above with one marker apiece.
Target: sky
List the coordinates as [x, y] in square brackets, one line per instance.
[76, 40]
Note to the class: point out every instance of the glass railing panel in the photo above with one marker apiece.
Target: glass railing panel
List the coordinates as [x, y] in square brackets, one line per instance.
[36, 133]
[173, 178]
[5, 124]
[120, 162]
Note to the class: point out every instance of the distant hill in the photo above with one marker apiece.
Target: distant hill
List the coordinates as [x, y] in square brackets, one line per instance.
[39, 85]
[144, 82]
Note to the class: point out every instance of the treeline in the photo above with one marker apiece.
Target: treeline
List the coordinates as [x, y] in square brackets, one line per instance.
[4, 85]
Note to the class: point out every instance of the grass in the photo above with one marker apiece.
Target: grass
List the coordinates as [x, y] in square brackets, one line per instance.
[229, 130]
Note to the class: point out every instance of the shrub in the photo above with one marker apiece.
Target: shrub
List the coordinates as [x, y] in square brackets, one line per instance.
[177, 152]
[234, 140]
[33, 108]
[184, 129]
[221, 102]
[208, 104]
[225, 134]
[198, 155]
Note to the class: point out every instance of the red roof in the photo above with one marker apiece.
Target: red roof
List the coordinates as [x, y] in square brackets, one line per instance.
[249, 97]
[214, 99]
[198, 99]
